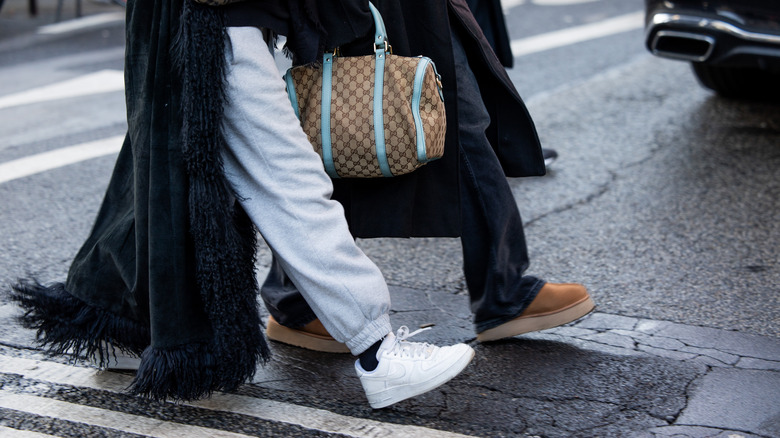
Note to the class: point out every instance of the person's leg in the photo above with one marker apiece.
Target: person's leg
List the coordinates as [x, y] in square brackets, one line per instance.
[283, 300]
[505, 302]
[494, 249]
[279, 180]
[282, 185]
[292, 320]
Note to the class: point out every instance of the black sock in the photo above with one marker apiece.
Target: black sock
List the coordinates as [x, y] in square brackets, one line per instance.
[368, 360]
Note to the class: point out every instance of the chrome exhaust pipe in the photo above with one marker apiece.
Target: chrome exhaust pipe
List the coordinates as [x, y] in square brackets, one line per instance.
[687, 46]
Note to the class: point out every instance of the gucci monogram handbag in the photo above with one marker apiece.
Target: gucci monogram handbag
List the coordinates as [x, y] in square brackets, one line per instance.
[378, 115]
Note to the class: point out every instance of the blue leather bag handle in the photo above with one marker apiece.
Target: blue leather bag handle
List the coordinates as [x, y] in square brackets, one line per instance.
[380, 36]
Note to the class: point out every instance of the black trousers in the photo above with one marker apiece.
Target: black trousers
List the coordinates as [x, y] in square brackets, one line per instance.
[495, 256]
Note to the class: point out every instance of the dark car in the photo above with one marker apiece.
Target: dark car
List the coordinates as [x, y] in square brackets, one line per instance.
[733, 45]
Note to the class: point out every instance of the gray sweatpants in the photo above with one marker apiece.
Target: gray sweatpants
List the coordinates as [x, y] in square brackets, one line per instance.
[282, 185]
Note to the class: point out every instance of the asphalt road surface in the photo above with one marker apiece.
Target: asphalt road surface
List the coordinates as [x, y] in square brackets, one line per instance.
[663, 202]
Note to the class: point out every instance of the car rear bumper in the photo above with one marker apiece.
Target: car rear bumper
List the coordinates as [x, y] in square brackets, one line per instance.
[710, 38]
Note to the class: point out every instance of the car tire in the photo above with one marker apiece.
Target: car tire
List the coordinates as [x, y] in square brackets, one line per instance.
[738, 82]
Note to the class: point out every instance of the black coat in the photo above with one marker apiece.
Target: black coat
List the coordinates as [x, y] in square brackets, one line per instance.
[426, 203]
[490, 17]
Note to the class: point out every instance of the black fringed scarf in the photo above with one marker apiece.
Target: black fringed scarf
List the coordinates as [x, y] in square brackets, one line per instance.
[168, 270]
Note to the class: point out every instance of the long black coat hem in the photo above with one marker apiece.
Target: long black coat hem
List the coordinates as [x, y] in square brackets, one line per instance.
[66, 325]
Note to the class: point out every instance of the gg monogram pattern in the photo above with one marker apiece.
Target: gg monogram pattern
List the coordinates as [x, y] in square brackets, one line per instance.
[352, 122]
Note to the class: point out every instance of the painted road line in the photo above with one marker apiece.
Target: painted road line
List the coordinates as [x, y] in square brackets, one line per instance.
[578, 34]
[269, 410]
[30, 165]
[7, 432]
[509, 4]
[87, 22]
[47, 407]
[102, 81]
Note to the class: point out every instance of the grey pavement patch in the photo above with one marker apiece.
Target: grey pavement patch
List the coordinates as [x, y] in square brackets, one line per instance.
[653, 341]
[758, 364]
[606, 321]
[671, 354]
[693, 432]
[675, 341]
[572, 332]
[611, 339]
[721, 357]
[741, 344]
[735, 399]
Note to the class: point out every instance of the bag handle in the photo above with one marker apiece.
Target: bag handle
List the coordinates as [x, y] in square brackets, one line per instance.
[380, 35]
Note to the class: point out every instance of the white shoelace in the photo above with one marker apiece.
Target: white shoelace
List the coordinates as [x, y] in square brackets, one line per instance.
[404, 348]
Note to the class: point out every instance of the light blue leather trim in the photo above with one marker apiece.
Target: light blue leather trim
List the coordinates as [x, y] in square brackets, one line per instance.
[419, 76]
[379, 120]
[327, 85]
[291, 93]
[380, 35]
[438, 81]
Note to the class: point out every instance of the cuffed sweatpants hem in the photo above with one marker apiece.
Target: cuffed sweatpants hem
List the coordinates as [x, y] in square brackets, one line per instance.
[373, 332]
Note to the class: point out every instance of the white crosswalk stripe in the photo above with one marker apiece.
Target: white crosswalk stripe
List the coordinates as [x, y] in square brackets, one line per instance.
[105, 418]
[577, 34]
[7, 432]
[42, 162]
[81, 23]
[103, 81]
[270, 410]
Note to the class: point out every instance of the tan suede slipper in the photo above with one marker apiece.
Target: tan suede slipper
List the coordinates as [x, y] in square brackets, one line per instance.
[556, 304]
[312, 336]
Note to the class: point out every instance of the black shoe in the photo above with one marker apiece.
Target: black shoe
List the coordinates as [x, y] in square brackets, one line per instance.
[550, 155]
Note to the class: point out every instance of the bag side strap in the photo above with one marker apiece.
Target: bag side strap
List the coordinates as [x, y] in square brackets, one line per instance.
[419, 76]
[288, 79]
[327, 87]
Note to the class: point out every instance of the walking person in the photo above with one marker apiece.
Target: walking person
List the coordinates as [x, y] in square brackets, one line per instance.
[212, 154]
[490, 136]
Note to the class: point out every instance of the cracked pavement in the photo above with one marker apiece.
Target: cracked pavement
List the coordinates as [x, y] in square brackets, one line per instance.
[663, 203]
[605, 375]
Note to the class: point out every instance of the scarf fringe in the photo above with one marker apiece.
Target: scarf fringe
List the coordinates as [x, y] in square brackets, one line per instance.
[66, 325]
[225, 239]
[178, 374]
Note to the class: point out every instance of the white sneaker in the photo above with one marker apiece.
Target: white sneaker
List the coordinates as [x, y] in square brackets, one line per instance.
[407, 369]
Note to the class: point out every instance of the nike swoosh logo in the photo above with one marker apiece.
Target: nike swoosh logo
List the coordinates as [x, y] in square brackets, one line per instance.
[396, 375]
